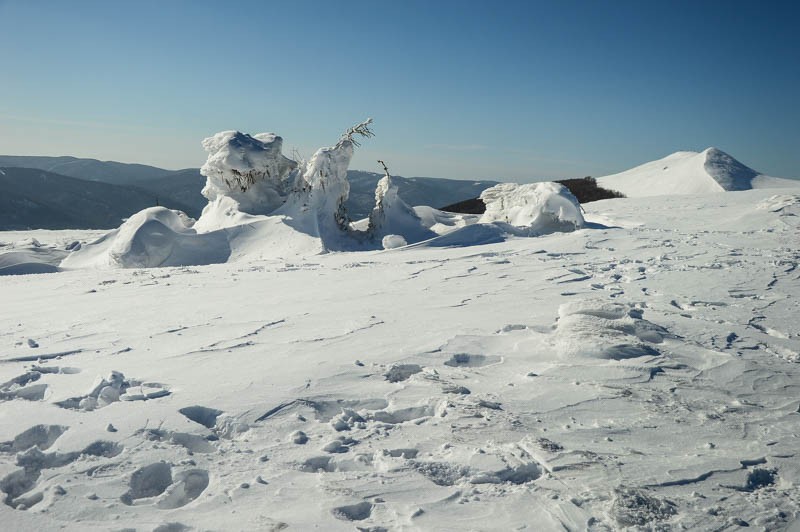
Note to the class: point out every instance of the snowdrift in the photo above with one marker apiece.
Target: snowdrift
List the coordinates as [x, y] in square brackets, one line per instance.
[605, 330]
[152, 238]
[28, 256]
[261, 204]
[158, 237]
[688, 172]
[25, 263]
[532, 209]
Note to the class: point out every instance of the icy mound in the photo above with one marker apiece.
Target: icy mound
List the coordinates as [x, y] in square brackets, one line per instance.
[688, 172]
[152, 238]
[251, 170]
[532, 209]
[511, 210]
[605, 330]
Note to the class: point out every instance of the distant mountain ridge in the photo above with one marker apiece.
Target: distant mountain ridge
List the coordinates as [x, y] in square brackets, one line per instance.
[88, 169]
[31, 198]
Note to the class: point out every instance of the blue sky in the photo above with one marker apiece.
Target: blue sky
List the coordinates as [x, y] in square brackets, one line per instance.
[505, 90]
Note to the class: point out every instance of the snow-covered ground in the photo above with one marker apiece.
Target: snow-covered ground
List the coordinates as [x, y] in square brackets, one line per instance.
[639, 372]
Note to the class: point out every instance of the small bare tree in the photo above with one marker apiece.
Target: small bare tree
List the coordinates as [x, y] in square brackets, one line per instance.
[361, 129]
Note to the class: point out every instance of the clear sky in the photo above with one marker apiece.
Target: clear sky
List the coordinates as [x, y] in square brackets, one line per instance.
[503, 90]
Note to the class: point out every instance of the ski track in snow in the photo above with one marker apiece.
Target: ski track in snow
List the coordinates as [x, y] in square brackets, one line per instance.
[644, 375]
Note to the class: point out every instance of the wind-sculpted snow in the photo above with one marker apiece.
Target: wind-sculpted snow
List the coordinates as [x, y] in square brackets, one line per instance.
[262, 204]
[393, 221]
[249, 169]
[532, 209]
[317, 206]
[154, 237]
[606, 330]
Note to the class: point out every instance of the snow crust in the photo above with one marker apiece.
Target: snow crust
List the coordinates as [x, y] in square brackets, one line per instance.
[687, 172]
[638, 375]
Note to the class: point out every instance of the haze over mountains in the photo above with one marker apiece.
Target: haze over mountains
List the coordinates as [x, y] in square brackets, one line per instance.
[90, 169]
[69, 192]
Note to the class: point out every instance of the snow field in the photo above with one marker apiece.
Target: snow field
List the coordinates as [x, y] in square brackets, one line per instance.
[641, 372]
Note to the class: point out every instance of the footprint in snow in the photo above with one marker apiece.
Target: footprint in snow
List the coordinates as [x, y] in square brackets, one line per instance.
[464, 360]
[353, 512]
[223, 425]
[41, 436]
[114, 388]
[33, 461]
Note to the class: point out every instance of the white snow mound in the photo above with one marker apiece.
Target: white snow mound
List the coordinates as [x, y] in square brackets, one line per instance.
[605, 330]
[688, 172]
[393, 241]
[152, 238]
[531, 209]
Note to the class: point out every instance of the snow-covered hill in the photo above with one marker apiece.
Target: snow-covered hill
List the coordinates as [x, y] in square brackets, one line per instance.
[689, 172]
